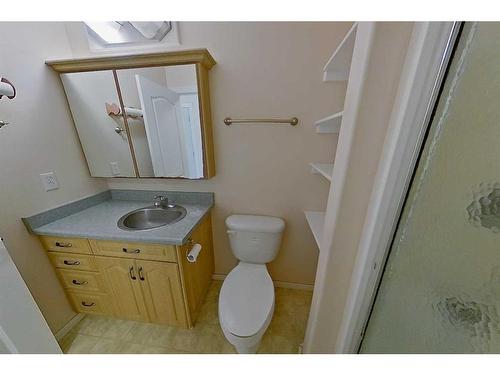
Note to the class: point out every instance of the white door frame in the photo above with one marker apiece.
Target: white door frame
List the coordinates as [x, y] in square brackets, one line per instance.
[428, 54]
[365, 34]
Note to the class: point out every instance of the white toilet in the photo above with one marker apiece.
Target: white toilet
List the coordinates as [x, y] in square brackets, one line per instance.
[246, 300]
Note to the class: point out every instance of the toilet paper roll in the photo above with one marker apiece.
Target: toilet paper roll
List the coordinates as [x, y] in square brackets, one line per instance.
[193, 253]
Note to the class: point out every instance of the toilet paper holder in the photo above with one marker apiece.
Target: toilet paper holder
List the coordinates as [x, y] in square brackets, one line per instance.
[193, 251]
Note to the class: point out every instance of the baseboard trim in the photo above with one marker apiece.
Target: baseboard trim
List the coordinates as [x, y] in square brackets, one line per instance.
[298, 286]
[68, 326]
[278, 284]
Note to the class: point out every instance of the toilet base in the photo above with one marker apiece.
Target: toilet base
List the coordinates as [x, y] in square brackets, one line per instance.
[243, 349]
[248, 345]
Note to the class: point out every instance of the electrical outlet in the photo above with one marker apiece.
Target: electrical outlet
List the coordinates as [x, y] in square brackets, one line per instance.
[115, 170]
[49, 181]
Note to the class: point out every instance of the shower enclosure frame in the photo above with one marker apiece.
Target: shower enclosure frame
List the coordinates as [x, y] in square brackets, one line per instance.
[426, 63]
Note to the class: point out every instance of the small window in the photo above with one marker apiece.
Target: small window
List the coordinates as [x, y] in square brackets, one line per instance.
[126, 33]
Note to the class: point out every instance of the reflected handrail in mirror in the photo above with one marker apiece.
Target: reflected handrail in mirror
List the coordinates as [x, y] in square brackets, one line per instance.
[113, 109]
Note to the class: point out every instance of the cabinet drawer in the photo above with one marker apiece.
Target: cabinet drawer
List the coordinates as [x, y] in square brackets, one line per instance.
[81, 280]
[66, 244]
[136, 250]
[73, 261]
[89, 303]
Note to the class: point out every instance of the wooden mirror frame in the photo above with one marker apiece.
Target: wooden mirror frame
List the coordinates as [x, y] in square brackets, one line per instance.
[201, 58]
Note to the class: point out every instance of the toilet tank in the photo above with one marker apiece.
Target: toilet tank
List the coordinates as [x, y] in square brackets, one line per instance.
[255, 239]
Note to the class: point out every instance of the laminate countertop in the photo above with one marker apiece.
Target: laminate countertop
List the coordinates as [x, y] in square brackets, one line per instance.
[96, 217]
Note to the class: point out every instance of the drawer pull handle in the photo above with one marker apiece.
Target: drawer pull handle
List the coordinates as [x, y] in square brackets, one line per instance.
[64, 244]
[131, 251]
[72, 262]
[141, 276]
[78, 282]
[131, 273]
[88, 304]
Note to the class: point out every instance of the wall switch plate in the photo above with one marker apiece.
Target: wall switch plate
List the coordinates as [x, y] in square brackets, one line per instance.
[49, 181]
[115, 170]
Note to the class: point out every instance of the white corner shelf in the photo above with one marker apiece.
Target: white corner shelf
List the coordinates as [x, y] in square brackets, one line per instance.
[330, 124]
[324, 169]
[316, 221]
[338, 66]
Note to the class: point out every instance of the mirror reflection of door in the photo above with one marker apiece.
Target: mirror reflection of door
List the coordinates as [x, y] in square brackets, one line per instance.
[103, 137]
[167, 135]
[163, 123]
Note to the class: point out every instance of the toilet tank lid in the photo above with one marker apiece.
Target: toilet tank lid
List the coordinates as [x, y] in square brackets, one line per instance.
[253, 223]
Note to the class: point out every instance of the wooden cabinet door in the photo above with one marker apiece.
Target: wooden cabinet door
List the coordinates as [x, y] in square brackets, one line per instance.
[161, 288]
[123, 283]
[198, 275]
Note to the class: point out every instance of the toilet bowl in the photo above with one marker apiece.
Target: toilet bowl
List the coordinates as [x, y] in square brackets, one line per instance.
[246, 300]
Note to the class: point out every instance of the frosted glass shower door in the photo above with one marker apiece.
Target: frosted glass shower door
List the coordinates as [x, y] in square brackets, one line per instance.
[440, 291]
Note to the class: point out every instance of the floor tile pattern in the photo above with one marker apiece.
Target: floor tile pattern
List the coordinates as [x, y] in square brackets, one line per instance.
[103, 335]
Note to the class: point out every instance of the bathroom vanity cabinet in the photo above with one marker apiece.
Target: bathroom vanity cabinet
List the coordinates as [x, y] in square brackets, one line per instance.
[135, 281]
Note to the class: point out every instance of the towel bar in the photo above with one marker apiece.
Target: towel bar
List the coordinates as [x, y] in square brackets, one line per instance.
[292, 121]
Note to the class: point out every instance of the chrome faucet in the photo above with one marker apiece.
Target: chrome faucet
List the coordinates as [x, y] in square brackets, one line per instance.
[160, 201]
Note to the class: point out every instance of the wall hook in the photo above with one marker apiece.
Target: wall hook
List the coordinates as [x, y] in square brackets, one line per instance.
[7, 89]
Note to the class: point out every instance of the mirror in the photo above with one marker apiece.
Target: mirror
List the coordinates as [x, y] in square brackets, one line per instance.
[103, 138]
[166, 129]
[142, 120]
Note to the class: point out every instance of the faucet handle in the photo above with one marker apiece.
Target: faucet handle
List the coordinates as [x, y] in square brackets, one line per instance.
[160, 200]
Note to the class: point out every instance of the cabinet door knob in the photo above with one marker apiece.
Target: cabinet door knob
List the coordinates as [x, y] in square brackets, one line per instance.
[131, 251]
[72, 262]
[64, 244]
[141, 276]
[131, 273]
[78, 282]
[86, 304]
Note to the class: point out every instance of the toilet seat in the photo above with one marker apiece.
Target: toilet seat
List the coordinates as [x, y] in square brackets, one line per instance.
[246, 301]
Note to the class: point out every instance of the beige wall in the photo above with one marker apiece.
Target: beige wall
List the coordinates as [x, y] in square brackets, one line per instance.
[181, 76]
[266, 70]
[41, 138]
[382, 79]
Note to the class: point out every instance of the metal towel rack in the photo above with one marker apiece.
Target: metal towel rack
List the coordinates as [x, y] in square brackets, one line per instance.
[292, 121]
